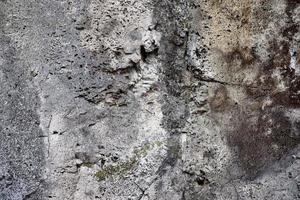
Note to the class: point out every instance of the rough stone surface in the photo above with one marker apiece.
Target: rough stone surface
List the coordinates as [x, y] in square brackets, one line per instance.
[149, 99]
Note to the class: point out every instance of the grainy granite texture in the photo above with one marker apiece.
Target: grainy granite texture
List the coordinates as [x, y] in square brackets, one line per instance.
[149, 99]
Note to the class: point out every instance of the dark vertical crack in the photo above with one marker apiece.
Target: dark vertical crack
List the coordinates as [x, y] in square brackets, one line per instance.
[171, 18]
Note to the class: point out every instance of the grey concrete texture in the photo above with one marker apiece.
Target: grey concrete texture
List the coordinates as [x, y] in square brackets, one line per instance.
[149, 99]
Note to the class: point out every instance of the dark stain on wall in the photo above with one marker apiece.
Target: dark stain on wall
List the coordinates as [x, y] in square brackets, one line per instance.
[292, 28]
[263, 135]
[219, 102]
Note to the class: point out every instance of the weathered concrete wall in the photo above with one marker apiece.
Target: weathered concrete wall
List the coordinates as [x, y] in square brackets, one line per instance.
[149, 99]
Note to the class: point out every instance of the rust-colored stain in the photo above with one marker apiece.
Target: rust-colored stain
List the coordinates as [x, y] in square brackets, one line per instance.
[245, 56]
[219, 102]
[262, 139]
[262, 135]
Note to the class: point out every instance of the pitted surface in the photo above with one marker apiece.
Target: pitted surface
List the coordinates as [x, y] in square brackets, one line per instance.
[149, 99]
